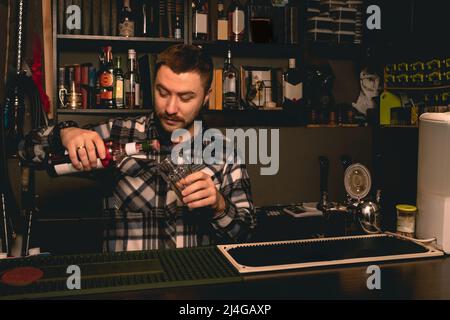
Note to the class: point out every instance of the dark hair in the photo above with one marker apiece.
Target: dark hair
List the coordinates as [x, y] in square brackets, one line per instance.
[181, 58]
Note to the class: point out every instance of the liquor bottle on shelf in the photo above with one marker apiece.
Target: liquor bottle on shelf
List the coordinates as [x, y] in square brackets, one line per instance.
[127, 22]
[231, 85]
[236, 21]
[200, 20]
[333, 115]
[97, 93]
[106, 80]
[292, 87]
[119, 92]
[292, 23]
[92, 87]
[145, 20]
[260, 21]
[62, 89]
[178, 29]
[60, 164]
[222, 22]
[132, 86]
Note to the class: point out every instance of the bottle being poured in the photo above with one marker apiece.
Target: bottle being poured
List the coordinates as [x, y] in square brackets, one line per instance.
[60, 164]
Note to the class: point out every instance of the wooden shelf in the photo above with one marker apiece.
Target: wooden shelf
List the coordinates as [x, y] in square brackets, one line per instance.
[115, 38]
[81, 43]
[104, 111]
[397, 126]
[445, 87]
[246, 49]
[249, 118]
[334, 51]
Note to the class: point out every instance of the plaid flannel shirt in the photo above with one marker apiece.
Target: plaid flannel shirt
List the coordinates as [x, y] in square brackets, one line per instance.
[144, 212]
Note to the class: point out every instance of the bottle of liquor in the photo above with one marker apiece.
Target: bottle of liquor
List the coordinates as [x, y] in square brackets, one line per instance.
[97, 93]
[222, 22]
[236, 21]
[62, 91]
[292, 87]
[106, 80]
[200, 20]
[145, 20]
[126, 24]
[119, 92]
[59, 165]
[231, 85]
[178, 29]
[132, 87]
[260, 17]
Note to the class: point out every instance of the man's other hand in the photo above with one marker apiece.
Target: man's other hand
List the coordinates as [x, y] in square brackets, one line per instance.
[200, 191]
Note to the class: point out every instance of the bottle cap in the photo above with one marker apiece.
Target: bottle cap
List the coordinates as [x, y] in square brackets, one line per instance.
[132, 53]
[406, 208]
[291, 63]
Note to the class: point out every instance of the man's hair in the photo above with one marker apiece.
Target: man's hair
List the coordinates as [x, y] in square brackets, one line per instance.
[182, 58]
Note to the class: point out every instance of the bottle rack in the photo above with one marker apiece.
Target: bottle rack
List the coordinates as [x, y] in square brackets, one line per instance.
[68, 46]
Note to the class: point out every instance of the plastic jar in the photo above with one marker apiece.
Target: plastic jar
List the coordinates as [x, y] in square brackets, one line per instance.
[406, 220]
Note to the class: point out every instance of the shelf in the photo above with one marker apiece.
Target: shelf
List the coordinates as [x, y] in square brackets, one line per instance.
[418, 89]
[115, 38]
[397, 126]
[104, 111]
[249, 118]
[246, 49]
[70, 42]
[334, 51]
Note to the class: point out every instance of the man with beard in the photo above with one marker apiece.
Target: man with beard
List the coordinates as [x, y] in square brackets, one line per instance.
[145, 213]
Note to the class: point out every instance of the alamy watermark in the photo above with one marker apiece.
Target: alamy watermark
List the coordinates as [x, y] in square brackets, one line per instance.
[229, 148]
[73, 17]
[374, 280]
[74, 279]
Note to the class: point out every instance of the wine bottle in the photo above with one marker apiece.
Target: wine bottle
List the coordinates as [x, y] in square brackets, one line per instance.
[119, 92]
[132, 86]
[222, 22]
[106, 80]
[236, 20]
[145, 20]
[260, 21]
[231, 84]
[62, 89]
[178, 30]
[292, 87]
[200, 20]
[126, 24]
[59, 165]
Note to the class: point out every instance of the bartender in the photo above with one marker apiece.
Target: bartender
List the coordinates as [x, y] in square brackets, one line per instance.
[216, 204]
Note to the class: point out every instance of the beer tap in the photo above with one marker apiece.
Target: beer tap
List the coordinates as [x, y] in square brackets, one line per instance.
[346, 162]
[324, 203]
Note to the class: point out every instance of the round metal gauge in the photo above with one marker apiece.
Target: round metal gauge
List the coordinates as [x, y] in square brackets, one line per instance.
[357, 181]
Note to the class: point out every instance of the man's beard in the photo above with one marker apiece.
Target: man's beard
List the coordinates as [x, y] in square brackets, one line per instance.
[184, 124]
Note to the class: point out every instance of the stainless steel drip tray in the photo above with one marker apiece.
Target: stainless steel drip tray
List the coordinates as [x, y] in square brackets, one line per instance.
[298, 254]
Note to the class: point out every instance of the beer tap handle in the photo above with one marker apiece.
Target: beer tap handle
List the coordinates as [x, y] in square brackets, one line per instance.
[324, 164]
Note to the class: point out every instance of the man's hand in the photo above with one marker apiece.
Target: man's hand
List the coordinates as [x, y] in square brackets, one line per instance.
[83, 145]
[200, 192]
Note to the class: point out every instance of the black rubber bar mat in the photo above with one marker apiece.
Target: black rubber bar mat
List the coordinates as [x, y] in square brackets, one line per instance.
[120, 272]
[323, 252]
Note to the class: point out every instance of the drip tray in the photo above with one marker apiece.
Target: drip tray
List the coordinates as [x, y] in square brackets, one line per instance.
[284, 255]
